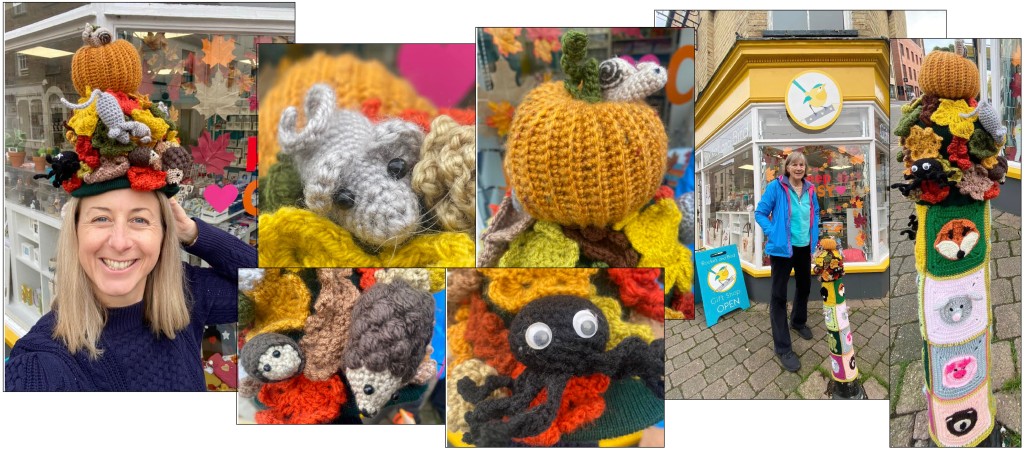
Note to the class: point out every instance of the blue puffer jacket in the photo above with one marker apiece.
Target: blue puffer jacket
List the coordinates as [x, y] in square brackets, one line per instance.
[772, 215]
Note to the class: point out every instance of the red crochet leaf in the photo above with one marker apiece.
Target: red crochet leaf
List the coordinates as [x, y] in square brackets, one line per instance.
[298, 400]
[486, 332]
[582, 403]
[212, 153]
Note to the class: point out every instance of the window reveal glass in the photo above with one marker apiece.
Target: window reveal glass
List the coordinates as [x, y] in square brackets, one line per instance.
[826, 20]
[789, 20]
[841, 178]
[808, 20]
[731, 190]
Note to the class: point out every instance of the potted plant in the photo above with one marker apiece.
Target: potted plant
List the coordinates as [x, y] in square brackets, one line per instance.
[40, 158]
[14, 140]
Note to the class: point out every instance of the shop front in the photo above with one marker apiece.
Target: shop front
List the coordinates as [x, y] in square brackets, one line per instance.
[828, 99]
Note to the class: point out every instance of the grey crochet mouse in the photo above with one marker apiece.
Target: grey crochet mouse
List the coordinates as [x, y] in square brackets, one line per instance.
[353, 171]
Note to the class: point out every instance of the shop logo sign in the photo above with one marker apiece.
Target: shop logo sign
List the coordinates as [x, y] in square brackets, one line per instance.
[813, 100]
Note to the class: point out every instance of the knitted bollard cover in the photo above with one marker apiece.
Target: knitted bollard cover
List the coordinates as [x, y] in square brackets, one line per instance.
[950, 146]
[828, 266]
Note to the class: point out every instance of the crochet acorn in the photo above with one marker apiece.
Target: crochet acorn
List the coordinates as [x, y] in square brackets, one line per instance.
[574, 159]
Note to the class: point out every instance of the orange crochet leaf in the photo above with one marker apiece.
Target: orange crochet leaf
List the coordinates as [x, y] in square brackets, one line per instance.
[582, 403]
[218, 51]
[212, 153]
[486, 332]
[299, 400]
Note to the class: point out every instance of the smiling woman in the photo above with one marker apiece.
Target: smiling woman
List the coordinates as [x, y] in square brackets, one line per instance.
[127, 314]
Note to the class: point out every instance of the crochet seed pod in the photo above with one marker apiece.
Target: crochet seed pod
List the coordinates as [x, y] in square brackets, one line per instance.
[574, 159]
[948, 130]
[388, 342]
[105, 64]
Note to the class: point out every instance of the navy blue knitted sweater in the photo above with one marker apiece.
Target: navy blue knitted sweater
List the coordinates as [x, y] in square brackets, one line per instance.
[134, 359]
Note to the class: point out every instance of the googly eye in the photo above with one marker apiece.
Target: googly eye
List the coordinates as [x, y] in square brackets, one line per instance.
[585, 323]
[926, 166]
[913, 168]
[397, 168]
[538, 336]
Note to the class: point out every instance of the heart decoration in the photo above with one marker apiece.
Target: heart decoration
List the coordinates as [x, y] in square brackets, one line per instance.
[225, 370]
[443, 73]
[841, 190]
[220, 198]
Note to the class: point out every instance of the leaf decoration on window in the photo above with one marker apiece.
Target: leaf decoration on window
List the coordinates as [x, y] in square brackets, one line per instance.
[212, 153]
[218, 51]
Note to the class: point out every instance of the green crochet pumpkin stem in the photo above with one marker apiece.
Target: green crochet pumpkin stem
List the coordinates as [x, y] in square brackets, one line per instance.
[581, 73]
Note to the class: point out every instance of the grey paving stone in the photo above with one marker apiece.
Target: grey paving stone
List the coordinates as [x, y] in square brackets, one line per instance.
[1001, 291]
[692, 387]
[690, 370]
[674, 394]
[741, 392]
[903, 309]
[911, 399]
[764, 376]
[874, 390]
[720, 368]
[1002, 364]
[711, 358]
[758, 359]
[771, 392]
[1008, 267]
[716, 390]
[735, 376]
[1007, 321]
[788, 382]
[1008, 409]
[813, 387]
[905, 284]
[921, 426]
[901, 431]
[1000, 250]
[907, 345]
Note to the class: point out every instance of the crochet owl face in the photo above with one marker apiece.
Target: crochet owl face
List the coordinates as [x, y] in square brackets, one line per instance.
[353, 171]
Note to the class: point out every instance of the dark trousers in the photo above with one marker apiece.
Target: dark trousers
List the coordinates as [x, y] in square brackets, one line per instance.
[801, 265]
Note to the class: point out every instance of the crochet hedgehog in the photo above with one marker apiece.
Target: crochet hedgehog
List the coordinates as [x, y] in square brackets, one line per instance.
[388, 344]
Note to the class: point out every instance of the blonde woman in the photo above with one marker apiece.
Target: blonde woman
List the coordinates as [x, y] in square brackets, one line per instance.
[128, 315]
[788, 214]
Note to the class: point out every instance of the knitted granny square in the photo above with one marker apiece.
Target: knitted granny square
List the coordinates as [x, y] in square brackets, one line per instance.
[844, 367]
[964, 421]
[840, 342]
[954, 371]
[834, 292]
[955, 238]
[955, 309]
[831, 321]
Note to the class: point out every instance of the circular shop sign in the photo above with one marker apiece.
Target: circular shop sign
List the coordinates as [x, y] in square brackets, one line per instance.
[813, 100]
[722, 277]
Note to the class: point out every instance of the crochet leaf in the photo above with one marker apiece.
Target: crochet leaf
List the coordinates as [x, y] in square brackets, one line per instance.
[581, 72]
[218, 51]
[212, 153]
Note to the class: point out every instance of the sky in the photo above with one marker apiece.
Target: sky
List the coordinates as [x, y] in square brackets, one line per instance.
[926, 24]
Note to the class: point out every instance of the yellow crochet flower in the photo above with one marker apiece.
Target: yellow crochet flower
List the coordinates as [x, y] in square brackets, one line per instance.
[83, 121]
[922, 143]
[654, 233]
[157, 126]
[544, 246]
[293, 237]
[948, 114]
[619, 329]
[990, 162]
[511, 289]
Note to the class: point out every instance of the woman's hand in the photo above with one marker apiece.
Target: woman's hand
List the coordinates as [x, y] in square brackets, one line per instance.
[187, 229]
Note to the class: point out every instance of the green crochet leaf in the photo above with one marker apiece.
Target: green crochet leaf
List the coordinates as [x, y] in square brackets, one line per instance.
[282, 186]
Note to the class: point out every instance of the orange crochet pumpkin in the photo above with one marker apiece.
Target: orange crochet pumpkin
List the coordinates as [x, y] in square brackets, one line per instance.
[947, 75]
[576, 160]
[105, 64]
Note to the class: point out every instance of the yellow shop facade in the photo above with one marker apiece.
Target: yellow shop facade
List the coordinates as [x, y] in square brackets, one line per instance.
[825, 97]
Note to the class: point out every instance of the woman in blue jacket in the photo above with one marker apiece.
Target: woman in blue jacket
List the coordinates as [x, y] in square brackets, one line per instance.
[788, 214]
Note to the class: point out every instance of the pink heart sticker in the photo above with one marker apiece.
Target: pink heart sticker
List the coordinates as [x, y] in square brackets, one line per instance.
[840, 190]
[220, 198]
[225, 369]
[443, 73]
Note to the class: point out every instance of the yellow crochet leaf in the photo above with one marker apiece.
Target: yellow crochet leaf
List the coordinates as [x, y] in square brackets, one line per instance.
[83, 121]
[511, 289]
[293, 237]
[437, 280]
[948, 114]
[544, 246]
[922, 143]
[654, 234]
[281, 303]
[459, 350]
[619, 329]
[157, 126]
[990, 162]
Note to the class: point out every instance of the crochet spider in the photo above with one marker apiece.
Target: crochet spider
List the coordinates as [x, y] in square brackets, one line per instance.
[63, 167]
[556, 338]
[924, 169]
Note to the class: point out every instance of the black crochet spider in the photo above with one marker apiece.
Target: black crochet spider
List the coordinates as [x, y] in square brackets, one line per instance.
[556, 338]
[922, 170]
[62, 167]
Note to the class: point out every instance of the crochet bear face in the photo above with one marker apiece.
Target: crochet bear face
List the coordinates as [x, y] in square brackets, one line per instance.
[353, 171]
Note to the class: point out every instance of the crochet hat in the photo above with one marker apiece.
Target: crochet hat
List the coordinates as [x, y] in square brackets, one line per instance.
[574, 158]
[121, 138]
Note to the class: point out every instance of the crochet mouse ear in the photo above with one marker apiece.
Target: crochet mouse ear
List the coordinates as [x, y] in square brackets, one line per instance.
[319, 106]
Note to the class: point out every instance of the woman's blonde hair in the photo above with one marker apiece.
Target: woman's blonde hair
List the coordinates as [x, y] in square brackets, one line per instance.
[81, 317]
[794, 157]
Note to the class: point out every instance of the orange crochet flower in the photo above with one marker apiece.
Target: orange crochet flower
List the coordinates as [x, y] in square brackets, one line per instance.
[511, 289]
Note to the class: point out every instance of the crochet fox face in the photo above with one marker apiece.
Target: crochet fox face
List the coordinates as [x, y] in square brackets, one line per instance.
[956, 239]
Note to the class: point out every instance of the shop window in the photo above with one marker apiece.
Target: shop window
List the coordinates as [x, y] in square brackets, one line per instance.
[18, 8]
[1010, 70]
[808, 20]
[841, 176]
[22, 65]
[776, 124]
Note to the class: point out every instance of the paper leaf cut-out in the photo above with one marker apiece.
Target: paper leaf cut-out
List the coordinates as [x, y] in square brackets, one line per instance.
[213, 153]
[218, 51]
[155, 41]
[217, 98]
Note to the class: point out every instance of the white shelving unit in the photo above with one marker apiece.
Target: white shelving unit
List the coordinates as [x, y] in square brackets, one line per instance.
[36, 232]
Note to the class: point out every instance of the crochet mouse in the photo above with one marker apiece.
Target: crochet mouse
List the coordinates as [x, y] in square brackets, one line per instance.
[353, 171]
